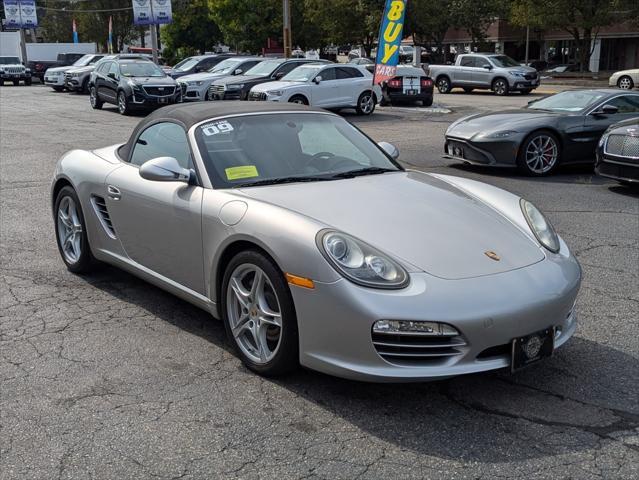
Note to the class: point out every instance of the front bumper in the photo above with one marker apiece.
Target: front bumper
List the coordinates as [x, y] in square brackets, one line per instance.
[496, 153]
[218, 92]
[195, 93]
[617, 168]
[54, 81]
[15, 76]
[519, 83]
[335, 320]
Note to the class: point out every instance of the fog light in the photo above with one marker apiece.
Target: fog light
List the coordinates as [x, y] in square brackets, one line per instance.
[409, 326]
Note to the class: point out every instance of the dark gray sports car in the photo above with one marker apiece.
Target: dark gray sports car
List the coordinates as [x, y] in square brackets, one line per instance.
[562, 128]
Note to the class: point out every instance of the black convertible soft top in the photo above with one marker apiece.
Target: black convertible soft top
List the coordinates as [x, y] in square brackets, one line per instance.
[189, 114]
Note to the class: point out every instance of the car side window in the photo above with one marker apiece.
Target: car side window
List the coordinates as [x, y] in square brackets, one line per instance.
[346, 72]
[284, 69]
[246, 65]
[467, 61]
[626, 103]
[165, 139]
[114, 69]
[327, 74]
[104, 67]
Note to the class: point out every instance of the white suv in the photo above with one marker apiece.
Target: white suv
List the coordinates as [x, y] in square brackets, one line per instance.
[323, 85]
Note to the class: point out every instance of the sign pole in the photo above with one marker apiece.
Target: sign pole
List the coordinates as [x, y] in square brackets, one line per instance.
[23, 38]
[154, 35]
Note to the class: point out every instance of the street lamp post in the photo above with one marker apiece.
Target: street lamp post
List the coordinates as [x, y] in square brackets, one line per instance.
[286, 11]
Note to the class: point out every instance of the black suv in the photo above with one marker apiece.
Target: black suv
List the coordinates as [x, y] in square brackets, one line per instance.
[198, 63]
[238, 86]
[132, 84]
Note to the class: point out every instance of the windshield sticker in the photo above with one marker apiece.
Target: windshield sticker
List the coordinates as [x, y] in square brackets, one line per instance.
[245, 171]
[217, 127]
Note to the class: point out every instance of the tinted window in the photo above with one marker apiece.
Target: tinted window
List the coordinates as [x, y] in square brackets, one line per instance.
[569, 101]
[162, 140]
[113, 68]
[626, 104]
[102, 68]
[346, 72]
[467, 61]
[327, 74]
[504, 61]
[288, 67]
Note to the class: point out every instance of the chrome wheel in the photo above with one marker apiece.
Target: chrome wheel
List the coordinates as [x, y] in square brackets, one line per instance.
[542, 153]
[254, 313]
[122, 106]
[366, 103]
[443, 85]
[298, 100]
[93, 97]
[500, 87]
[625, 83]
[69, 230]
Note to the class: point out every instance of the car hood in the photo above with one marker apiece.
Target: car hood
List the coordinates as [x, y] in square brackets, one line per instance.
[231, 79]
[60, 69]
[263, 87]
[88, 68]
[152, 80]
[482, 122]
[414, 217]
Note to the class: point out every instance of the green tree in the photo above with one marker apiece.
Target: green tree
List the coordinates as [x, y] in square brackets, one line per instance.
[475, 16]
[428, 21]
[192, 29]
[55, 25]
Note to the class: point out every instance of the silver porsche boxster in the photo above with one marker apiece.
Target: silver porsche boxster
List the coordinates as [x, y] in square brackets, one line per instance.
[315, 247]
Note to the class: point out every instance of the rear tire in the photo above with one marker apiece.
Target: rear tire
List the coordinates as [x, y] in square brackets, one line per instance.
[500, 87]
[443, 85]
[625, 83]
[71, 233]
[299, 99]
[365, 103]
[244, 307]
[526, 91]
[428, 102]
[94, 100]
[28, 82]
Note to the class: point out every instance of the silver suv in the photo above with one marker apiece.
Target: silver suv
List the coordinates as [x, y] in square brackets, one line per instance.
[493, 71]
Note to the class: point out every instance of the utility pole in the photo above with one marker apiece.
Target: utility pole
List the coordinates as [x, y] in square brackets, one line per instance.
[286, 10]
[527, 42]
[154, 36]
[23, 37]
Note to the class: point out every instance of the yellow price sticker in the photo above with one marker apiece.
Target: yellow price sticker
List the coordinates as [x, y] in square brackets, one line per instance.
[245, 171]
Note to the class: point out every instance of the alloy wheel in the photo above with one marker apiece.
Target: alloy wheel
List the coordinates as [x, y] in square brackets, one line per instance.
[69, 230]
[443, 85]
[500, 87]
[254, 313]
[542, 153]
[625, 83]
[122, 106]
[93, 97]
[366, 104]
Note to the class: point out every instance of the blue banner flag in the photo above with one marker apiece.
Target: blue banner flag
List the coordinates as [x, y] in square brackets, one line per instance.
[390, 38]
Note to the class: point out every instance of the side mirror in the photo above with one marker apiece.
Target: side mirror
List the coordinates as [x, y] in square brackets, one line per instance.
[112, 75]
[487, 66]
[390, 149]
[164, 169]
[317, 79]
[606, 110]
[279, 75]
[238, 71]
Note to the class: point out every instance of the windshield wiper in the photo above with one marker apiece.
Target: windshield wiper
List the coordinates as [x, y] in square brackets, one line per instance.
[275, 181]
[363, 171]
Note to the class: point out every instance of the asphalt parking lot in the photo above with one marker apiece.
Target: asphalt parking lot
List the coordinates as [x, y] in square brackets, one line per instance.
[107, 377]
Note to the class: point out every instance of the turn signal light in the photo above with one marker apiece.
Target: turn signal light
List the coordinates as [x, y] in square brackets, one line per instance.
[300, 281]
[411, 326]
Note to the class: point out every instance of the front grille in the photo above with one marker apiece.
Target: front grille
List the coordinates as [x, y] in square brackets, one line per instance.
[216, 89]
[530, 76]
[622, 146]
[158, 91]
[417, 349]
[257, 96]
[459, 149]
[14, 69]
[191, 94]
[103, 215]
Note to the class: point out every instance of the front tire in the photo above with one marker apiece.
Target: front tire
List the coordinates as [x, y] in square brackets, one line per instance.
[259, 315]
[500, 87]
[123, 103]
[443, 85]
[526, 91]
[625, 83]
[365, 103]
[94, 100]
[16, 83]
[70, 232]
[299, 99]
[539, 154]
[28, 82]
[58, 89]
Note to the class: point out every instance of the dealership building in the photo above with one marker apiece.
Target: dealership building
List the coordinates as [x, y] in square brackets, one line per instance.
[615, 47]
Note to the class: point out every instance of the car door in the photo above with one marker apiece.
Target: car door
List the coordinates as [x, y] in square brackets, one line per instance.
[481, 77]
[595, 124]
[463, 75]
[100, 74]
[326, 92]
[159, 223]
[351, 82]
[111, 81]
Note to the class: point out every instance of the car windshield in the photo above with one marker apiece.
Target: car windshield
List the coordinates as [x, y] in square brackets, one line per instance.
[186, 64]
[302, 74]
[141, 69]
[9, 60]
[264, 68]
[504, 61]
[83, 60]
[226, 66]
[273, 148]
[568, 101]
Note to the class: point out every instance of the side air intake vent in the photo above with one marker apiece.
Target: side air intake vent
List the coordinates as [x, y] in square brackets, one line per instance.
[99, 205]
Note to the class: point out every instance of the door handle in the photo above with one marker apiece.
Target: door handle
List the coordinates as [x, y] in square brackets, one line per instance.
[114, 192]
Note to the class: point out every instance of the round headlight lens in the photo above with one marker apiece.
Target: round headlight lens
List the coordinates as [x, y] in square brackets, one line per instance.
[361, 263]
[540, 226]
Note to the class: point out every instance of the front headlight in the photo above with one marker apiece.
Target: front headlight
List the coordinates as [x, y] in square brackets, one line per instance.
[235, 86]
[275, 93]
[501, 134]
[540, 226]
[517, 74]
[359, 262]
[603, 139]
[194, 83]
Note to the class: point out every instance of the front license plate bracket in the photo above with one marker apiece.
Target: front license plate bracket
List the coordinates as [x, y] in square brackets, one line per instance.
[532, 348]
